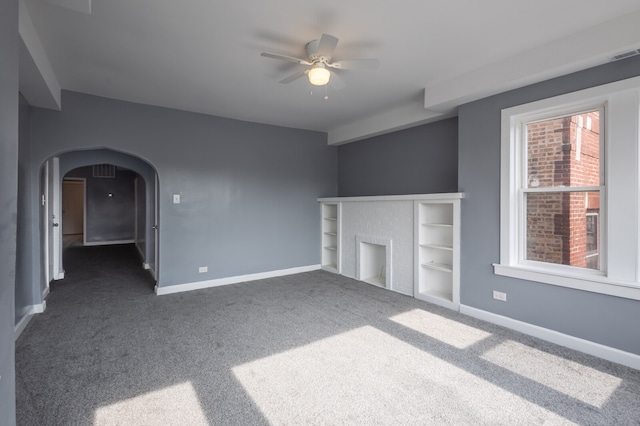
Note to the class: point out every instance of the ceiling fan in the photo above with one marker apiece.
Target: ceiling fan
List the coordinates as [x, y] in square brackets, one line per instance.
[319, 53]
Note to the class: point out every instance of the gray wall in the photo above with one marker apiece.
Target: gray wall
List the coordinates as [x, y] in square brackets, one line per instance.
[248, 190]
[608, 320]
[24, 293]
[141, 211]
[8, 202]
[419, 160]
[108, 218]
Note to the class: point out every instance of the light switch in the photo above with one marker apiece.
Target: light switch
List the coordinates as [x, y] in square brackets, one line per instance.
[176, 198]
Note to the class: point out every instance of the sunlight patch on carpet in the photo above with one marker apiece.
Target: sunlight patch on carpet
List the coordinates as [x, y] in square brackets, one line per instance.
[367, 376]
[173, 405]
[443, 329]
[570, 378]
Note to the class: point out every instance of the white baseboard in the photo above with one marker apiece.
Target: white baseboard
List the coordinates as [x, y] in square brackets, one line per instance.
[40, 307]
[140, 252]
[596, 349]
[45, 292]
[22, 324]
[29, 313]
[146, 266]
[107, 243]
[178, 288]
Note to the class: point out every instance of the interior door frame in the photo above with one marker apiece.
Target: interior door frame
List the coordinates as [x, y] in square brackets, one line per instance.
[51, 237]
[45, 225]
[156, 229]
[84, 205]
[55, 213]
[51, 221]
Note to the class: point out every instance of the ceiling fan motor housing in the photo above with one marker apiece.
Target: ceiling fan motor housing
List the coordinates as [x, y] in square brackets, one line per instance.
[312, 52]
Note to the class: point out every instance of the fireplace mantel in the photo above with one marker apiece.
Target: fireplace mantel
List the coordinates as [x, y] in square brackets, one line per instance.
[420, 241]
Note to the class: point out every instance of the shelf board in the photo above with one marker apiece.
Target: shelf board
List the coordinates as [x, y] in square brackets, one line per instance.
[331, 218]
[443, 225]
[377, 281]
[332, 248]
[439, 294]
[437, 266]
[437, 246]
[330, 267]
[333, 234]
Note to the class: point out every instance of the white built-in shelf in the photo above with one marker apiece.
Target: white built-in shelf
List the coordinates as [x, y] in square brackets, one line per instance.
[437, 246]
[435, 243]
[437, 252]
[445, 196]
[330, 259]
[444, 267]
[445, 225]
[377, 281]
[438, 294]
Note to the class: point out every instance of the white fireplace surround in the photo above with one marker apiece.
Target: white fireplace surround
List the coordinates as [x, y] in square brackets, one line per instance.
[364, 264]
[394, 223]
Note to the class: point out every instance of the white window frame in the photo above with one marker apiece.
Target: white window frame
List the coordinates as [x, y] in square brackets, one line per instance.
[619, 204]
[521, 183]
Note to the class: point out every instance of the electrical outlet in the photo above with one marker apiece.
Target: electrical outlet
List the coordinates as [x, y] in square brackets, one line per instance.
[176, 198]
[203, 269]
[498, 295]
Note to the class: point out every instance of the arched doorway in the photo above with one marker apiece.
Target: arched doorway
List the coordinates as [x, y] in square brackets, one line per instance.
[117, 208]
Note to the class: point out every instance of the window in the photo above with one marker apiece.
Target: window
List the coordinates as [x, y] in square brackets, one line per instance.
[570, 190]
[592, 257]
[564, 180]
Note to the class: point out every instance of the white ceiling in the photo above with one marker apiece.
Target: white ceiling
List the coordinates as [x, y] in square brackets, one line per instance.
[204, 56]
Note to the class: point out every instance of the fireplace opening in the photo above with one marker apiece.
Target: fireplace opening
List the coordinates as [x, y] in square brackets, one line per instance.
[373, 264]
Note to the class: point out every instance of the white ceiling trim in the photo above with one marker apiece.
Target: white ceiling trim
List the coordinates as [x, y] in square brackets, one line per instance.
[585, 49]
[38, 83]
[399, 118]
[578, 51]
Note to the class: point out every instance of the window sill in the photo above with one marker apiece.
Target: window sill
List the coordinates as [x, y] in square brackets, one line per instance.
[585, 282]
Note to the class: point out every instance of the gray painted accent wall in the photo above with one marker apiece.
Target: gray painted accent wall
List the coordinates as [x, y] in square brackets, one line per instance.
[249, 191]
[8, 204]
[111, 218]
[140, 215]
[608, 320]
[419, 160]
[108, 218]
[24, 293]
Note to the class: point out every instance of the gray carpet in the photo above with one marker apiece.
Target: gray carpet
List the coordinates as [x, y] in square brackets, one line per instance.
[313, 348]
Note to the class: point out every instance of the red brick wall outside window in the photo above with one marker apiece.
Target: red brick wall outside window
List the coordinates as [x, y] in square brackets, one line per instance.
[564, 152]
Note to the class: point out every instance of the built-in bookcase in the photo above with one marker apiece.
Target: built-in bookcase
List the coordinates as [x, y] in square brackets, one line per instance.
[437, 265]
[331, 237]
[404, 243]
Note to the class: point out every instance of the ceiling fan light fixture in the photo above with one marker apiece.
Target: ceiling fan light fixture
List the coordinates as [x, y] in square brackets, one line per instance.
[319, 75]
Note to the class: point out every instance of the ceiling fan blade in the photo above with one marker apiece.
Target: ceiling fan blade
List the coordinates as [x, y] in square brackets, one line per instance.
[294, 77]
[360, 64]
[327, 45]
[285, 58]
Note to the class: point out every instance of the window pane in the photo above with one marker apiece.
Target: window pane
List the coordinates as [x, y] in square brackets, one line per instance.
[564, 151]
[564, 228]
